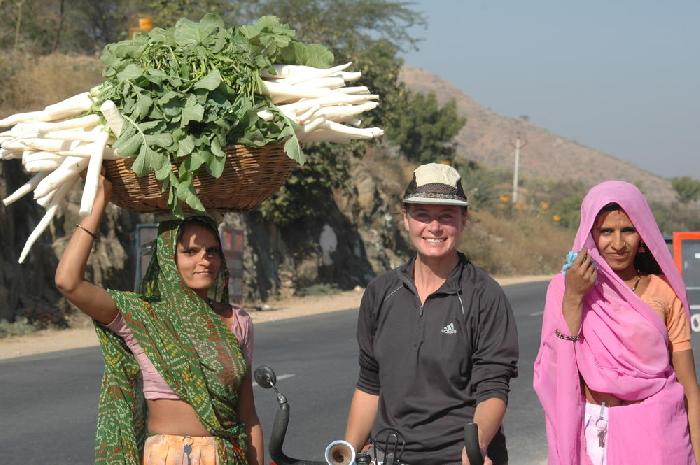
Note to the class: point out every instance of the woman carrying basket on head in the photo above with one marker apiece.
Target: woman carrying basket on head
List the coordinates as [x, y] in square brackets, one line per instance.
[615, 372]
[192, 351]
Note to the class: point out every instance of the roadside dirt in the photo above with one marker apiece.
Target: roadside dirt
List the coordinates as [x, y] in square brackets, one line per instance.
[273, 310]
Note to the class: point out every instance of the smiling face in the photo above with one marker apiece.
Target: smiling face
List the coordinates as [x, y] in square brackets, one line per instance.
[198, 257]
[617, 240]
[434, 230]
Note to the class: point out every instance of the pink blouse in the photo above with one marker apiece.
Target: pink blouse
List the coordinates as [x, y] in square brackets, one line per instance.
[154, 386]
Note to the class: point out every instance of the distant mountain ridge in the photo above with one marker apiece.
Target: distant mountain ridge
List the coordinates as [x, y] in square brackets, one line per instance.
[487, 138]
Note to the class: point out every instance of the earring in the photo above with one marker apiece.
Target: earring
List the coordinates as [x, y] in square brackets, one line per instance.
[642, 249]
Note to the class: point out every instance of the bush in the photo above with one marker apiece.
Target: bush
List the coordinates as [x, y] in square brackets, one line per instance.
[21, 327]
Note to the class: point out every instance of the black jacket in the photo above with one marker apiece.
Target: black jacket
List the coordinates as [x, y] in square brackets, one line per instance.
[431, 364]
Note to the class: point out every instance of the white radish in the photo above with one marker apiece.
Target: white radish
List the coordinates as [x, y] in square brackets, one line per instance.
[353, 90]
[46, 220]
[349, 76]
[359, 133]
[37, 166]
[70, 107]
[277, 90]
[306, 72]
[29, 156]
[92, 176]
[325, 82]
[22, 117]
[80, 150]
[25, 189]
[36, 129]
[73, 135]
[10, 154]
[324, 135]
[307, 115]
[85, 122]
[69, 168]
[329, 100]
[112, 116]
[44, 145]
[313, 125]
[344, 112]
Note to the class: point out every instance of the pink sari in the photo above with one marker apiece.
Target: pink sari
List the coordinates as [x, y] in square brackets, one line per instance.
[623, 351]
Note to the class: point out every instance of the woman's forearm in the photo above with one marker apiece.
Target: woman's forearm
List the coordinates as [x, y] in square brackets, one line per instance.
[693, 403]
[571, 310]
[363, 410]
[256, 453]
[489, 416]
[70, 273]
[71, 267]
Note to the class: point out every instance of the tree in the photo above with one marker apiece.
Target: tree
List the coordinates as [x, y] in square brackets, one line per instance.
[424, 130]
[687, 189]
[370, 33]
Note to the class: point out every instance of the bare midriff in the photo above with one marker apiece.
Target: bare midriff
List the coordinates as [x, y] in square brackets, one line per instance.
[598, 398]
[168, 416]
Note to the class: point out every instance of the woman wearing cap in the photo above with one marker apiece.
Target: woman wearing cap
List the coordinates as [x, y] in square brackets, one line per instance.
[191, 350]
[437, 338]
[615, 371]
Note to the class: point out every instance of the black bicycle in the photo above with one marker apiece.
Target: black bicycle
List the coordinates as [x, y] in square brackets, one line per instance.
[387, 444]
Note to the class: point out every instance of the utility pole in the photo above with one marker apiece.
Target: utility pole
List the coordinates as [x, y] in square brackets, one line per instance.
[516, 168]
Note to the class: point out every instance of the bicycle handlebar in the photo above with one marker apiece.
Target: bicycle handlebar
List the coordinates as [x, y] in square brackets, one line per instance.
[471, 443]
[265, 377]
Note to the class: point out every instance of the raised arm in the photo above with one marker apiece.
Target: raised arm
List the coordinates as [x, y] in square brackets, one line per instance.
[70, 273]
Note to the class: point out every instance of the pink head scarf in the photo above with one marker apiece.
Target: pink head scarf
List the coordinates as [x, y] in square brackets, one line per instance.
[623, 351]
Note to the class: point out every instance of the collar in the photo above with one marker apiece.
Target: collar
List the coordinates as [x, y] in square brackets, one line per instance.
[452, 284]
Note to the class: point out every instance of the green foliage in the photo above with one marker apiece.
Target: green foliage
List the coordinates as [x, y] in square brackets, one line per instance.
[687, 189]
[424, 130]
[189, 91]
[480, 184]
[343, 25]
[21, 327]
[676, 217]
[308, 193]
[565, 201]
[368, 33]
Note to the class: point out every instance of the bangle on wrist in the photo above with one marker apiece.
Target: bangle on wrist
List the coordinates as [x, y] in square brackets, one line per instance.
[94, 237]
[566, 337]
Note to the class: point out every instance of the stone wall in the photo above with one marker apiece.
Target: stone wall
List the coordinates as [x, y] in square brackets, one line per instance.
[362, 237]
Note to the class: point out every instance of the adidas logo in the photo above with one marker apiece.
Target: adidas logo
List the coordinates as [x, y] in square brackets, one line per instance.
[449, 329]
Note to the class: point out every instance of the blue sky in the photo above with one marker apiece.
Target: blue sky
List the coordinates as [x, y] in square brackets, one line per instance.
[622, 76]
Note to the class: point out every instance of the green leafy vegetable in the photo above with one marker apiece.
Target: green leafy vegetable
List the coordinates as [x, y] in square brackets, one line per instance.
[188, 91]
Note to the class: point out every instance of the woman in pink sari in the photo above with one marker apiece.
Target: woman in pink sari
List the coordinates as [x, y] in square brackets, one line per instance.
[615, 371]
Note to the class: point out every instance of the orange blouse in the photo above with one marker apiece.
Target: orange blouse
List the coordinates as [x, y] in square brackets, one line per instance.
[660, 296]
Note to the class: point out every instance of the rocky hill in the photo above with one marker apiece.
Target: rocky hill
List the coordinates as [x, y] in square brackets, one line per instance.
[487, 139]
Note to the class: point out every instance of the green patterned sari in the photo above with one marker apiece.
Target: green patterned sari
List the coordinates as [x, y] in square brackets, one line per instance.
[190, 346]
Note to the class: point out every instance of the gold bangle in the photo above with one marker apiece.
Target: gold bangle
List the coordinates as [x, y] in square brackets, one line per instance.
[566, 337]
[94, 237]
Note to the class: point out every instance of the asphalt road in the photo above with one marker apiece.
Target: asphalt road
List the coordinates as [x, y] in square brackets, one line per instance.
[48, 402]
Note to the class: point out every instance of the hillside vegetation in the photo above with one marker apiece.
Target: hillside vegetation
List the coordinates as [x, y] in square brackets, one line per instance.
[354, 189]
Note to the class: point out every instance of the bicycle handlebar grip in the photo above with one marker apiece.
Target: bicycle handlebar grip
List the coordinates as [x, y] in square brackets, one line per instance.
[471, 443]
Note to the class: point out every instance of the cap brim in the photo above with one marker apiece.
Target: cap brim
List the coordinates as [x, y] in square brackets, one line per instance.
[434, 201]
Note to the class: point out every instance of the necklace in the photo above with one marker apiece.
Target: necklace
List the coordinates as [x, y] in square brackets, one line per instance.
[636, 282]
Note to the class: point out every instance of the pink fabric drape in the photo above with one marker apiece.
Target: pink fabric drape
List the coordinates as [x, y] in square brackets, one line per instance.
[623, 351]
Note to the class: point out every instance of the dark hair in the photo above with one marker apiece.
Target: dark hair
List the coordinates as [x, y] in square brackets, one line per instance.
[644, 262]
[204, 222]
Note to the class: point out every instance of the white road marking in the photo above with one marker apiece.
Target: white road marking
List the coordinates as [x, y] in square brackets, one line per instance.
[285, 376]
[695, 322]
[537, 313]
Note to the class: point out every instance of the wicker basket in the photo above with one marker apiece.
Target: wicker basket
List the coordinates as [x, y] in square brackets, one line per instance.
[250, 176]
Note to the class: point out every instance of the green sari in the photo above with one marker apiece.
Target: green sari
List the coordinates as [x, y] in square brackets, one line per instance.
[190, 346]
